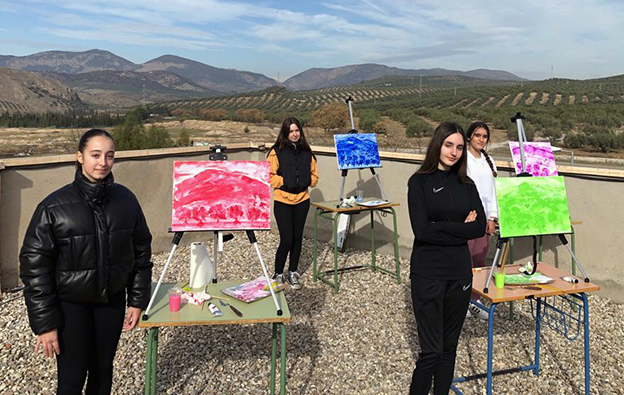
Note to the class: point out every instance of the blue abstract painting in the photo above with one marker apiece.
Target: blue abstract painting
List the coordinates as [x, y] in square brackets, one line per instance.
[357, 150]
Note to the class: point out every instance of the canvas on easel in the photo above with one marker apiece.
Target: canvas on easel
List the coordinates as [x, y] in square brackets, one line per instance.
[221, 195]
[357, 151]
[530, 206]
[539, 157]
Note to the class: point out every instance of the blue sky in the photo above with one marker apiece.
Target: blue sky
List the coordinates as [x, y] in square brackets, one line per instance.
[577, 38]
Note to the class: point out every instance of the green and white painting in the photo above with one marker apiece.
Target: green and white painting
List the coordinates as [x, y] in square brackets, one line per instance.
[532, 206]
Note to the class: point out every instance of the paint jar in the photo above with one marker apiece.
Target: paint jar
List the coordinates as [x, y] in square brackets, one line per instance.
[499, 280]
[175, 298]
[359, 195]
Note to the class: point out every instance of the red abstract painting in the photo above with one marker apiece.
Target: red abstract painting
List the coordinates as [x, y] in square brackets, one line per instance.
[214, 195]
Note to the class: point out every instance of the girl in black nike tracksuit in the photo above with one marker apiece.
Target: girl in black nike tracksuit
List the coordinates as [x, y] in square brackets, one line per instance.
[445, 212]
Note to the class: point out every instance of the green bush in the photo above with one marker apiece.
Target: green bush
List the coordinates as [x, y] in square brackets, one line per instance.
[131, 135]
[529, 131]
[553, 134]
[605, 142]
[184, 140]
[418, 128]
[575, 140]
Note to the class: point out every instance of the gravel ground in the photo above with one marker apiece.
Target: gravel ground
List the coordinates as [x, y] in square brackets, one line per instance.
[361, 341]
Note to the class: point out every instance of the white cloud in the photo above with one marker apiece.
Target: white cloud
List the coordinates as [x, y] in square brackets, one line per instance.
[579, 36]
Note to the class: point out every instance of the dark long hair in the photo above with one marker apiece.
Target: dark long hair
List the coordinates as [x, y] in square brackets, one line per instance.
[481, 125]
[282, 137]
[88, 135]
[432, 158]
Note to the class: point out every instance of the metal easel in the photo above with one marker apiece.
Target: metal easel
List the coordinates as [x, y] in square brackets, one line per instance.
[502, 243]
[346, 171]
[217, 155]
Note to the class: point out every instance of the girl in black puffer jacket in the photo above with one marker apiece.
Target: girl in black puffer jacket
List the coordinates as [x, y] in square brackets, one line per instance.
[87, 247]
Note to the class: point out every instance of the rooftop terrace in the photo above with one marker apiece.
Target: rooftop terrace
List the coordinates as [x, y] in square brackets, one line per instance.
[360, 341]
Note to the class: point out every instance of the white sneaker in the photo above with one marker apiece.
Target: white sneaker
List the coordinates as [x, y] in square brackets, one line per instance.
[473, 310]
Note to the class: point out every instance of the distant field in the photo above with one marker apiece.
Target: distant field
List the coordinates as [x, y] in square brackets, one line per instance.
[554, 109]
[430, 92]
[15, 142]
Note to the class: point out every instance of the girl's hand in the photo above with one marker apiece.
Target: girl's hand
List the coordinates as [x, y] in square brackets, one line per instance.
[132, 318]
[472, 216]
[49, 341]
[491, 227]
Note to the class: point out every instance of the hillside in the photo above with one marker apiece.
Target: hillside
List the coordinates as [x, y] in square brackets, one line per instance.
[123, 89]
[317, 78]
[214, 78]
[67, 62]
[28, 92]
[200, 79]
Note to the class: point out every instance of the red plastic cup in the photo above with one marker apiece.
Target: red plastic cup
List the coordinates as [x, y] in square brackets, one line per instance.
[175, 298]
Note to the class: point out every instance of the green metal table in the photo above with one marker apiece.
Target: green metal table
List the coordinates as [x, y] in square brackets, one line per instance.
[260, 311]
[331, 211]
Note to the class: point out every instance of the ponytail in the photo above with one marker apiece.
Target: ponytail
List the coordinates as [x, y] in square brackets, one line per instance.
[489, 161]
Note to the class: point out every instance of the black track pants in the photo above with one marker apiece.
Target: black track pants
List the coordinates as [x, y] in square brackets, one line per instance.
[88, 341]
[290, 220]
[440, 308]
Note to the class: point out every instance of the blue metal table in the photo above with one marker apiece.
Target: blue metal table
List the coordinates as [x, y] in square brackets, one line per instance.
[566, 312]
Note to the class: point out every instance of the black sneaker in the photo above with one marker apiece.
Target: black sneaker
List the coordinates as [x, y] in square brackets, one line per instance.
[293, 279]
[279, 278]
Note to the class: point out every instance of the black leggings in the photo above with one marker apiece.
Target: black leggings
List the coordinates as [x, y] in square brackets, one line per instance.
[440, 308]
[290, 220]
[88, 340]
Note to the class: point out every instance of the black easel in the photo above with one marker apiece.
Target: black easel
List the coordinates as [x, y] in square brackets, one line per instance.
[216, 155]
[502, 242]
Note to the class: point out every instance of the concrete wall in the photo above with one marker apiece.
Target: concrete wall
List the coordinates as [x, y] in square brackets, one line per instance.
[595, 202]
[25, 182]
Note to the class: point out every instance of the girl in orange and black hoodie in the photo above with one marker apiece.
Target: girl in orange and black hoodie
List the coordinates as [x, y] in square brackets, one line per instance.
[293, 171]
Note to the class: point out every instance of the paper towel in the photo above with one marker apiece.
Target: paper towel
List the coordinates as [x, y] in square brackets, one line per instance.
[202, 267]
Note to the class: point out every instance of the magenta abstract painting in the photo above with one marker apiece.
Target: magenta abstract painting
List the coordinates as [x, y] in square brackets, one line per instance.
[539, 158]
[221, 195]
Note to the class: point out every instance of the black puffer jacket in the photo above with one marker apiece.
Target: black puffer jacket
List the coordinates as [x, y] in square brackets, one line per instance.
[85, 242]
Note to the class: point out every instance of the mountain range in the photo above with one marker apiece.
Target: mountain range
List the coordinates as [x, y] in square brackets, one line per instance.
[105, 80]
[317, 78]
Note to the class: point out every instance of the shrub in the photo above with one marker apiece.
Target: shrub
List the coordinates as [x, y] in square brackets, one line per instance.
[212, 114]
[331, 116]
[575, 140]
[553, 134]
[380, 127]
[418, 128]
[185, 139]
[605, 142]
[529, 131]
[252, 115]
